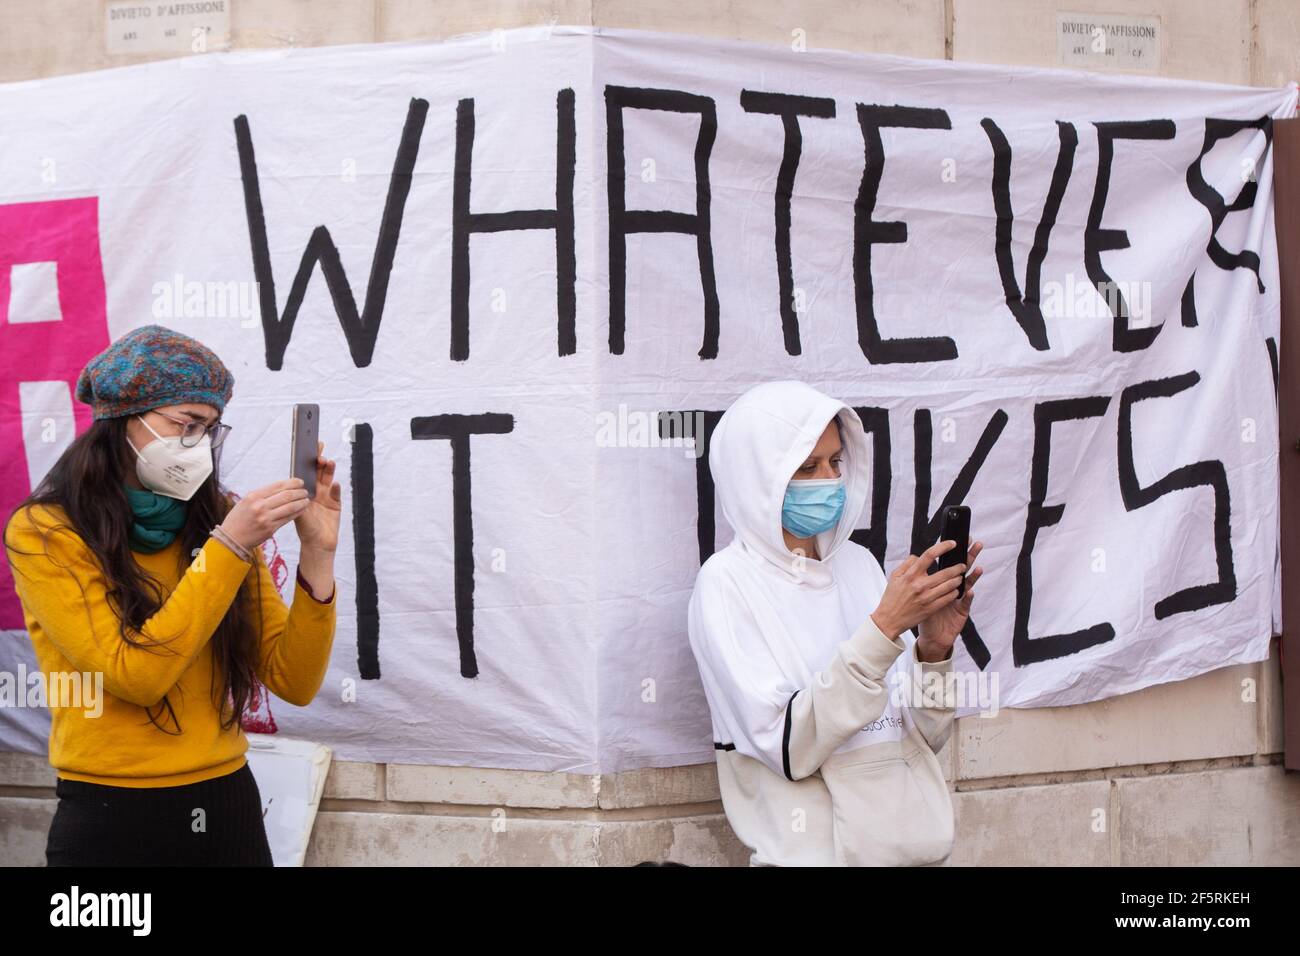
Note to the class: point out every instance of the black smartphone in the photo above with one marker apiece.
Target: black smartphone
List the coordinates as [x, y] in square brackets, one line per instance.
[303, 445]
[955, 527]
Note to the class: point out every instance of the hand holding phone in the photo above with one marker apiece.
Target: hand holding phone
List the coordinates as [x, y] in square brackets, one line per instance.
[955, 527]
[303, 447]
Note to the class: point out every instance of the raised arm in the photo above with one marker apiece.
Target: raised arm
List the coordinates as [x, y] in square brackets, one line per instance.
[295, 643]
[933, 719]
[932, 653]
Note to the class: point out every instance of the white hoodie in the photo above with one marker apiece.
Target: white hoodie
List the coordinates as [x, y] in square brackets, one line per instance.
[819, 761]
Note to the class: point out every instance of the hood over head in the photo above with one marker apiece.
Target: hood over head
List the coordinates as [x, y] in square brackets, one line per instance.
[758, 444]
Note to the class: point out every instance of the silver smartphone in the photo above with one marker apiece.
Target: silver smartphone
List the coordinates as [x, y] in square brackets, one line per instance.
[303, 445]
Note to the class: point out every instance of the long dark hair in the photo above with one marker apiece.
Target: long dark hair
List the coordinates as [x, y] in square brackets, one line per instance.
[88, 484]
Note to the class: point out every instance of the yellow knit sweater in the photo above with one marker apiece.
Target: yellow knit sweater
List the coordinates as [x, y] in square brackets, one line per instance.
[75, 630]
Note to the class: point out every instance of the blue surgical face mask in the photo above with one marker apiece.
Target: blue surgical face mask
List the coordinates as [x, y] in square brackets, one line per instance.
[812, 506]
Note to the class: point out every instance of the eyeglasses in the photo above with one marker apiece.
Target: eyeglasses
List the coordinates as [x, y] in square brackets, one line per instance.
[192, 432]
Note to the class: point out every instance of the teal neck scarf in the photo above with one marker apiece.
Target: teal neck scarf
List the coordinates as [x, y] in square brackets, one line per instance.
[157, 519]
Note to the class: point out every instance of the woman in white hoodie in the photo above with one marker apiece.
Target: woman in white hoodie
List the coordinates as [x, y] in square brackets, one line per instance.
[804, 648]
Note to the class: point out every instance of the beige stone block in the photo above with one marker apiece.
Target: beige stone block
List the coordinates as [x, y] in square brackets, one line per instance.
[901, 27]
[350, 780]
[1049, 825]
[1270, 703]
[698, 783]
[655, 787]
[1241, 816]
[477, 786]
[50, 38]
[705, 840]
[26, 770]
[53, 37]
[387, 839]
[947, 756]
[1199, 718]
[24, 825]
[498, 839]
[297, 23]
[1275, 54]
[1199, 41]
[423, 19]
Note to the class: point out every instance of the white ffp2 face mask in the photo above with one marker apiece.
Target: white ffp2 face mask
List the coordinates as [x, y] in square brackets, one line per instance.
[167, 467]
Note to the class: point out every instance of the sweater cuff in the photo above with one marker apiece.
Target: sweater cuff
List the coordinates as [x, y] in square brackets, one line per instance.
[943, 665]
[302, 583]
[873, 649]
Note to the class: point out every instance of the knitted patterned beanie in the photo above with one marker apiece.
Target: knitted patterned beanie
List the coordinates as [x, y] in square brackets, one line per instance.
[153, 366]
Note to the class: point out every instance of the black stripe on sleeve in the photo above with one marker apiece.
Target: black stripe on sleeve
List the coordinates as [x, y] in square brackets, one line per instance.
[718, 746]
[785, 740]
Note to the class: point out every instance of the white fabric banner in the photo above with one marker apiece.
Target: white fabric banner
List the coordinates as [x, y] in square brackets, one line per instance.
[511, 268]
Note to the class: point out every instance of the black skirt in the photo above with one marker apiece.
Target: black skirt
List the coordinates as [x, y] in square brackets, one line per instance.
[215, 822]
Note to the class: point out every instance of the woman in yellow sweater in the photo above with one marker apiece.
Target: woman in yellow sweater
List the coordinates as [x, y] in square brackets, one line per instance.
[138, 573]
